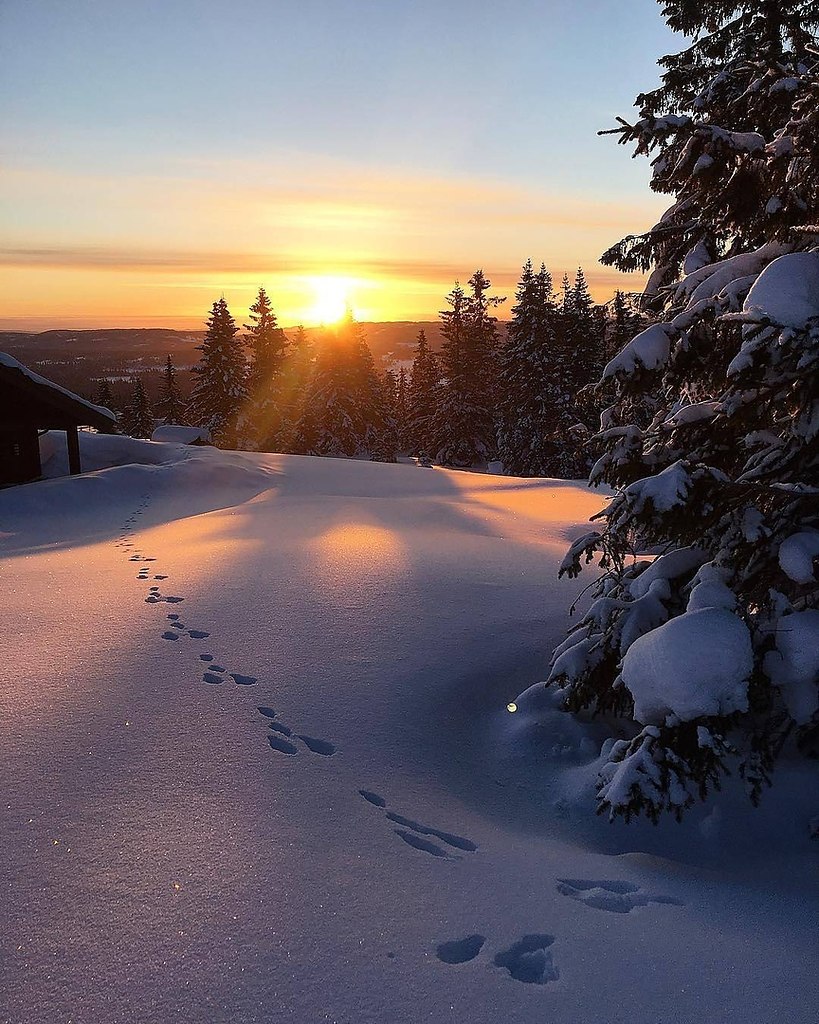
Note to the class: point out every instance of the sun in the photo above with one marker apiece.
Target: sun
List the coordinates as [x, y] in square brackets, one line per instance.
[331, 299]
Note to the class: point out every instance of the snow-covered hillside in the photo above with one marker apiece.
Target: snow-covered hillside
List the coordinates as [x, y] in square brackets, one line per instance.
[257, 767]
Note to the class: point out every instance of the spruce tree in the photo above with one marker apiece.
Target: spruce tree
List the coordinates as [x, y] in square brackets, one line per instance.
[401, 407]
[262, 417]
[710, 441]
[138, 419]
[464, 423]
[219, 391]
[344, 412]
[422, 399]
[294, 380]
[104, 397]
[171, 407]
[586, 342]
[528, 414]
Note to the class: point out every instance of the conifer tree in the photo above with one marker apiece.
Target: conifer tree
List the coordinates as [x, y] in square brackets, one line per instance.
[171, 407]
[401, 406]
[528, 415]
[219, 390]
[710, 443]
[586, 342]
[294, 380]
[138, 419]
[262, 418]
[422, 399]
[464, 423]
[344, 411]
[104, 396]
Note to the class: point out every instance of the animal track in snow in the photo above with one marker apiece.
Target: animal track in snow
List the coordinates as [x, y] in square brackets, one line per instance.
[448, 837]
[282, 745]
[279, 730]
[317, 746]
[412, 831]
[241, 680]
[616, 896]
[460, 951]
[370, 797]
[425, 845]
[529, 960]
[194, 634]
[155, 597]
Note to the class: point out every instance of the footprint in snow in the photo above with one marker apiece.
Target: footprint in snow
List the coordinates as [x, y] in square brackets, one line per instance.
[460, 951]
[279, 730]
[413, 832]
[194, 634]
[155, 597]
[529, 960]
[618, 897]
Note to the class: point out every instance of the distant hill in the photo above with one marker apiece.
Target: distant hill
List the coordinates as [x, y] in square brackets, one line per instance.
[77, 359]
[383, 338]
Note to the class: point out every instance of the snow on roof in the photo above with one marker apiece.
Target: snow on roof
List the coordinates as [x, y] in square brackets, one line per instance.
[12, 364]
[174, 432]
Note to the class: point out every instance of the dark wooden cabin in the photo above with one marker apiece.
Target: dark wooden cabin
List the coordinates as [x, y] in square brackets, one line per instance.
[29, 405]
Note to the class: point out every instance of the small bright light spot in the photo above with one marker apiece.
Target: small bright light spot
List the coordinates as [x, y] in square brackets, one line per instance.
[176, 886]
[511, 707]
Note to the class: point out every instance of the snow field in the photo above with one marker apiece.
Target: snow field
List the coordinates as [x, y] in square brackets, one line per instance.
[342, 821]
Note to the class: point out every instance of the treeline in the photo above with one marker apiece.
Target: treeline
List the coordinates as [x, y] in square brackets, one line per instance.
[522, 399]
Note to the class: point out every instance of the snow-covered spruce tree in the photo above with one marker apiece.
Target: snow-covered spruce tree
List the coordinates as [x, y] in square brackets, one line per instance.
[584, 339]
[624, 319]
[219, 390]
[137, 419]
[711, 442]
[529, 407]
[294, 379]
[105, 397]
[171, 407]
[344, 410]
[464, 424]
[262, 415]
[401, 406]
[422, 398]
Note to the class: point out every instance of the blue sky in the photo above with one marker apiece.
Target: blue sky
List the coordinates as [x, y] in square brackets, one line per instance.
[331, 138]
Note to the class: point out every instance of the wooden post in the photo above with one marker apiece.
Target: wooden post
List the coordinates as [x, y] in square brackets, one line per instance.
[73, 450]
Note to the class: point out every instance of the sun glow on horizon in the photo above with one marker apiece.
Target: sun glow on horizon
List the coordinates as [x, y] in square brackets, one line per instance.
[332, 298]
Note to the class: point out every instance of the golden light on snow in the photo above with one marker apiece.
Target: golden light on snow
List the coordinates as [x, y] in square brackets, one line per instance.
[511, 707]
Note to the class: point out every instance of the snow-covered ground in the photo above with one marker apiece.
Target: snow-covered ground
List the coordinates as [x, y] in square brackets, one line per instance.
[257, 766]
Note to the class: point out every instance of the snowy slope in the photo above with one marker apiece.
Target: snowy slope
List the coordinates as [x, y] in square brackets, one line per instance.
[171, 853]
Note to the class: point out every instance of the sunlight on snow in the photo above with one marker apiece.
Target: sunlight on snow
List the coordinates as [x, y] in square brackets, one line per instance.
[361, 545]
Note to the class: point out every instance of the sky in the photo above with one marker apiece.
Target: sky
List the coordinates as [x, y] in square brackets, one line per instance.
[155, 155]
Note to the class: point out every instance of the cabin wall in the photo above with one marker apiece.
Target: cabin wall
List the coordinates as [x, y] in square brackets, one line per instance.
[19, 455]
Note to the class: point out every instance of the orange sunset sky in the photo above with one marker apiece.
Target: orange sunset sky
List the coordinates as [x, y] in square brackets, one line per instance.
[153, 160]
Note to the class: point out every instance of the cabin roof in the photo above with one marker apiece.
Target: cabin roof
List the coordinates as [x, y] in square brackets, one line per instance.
[40, 390]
